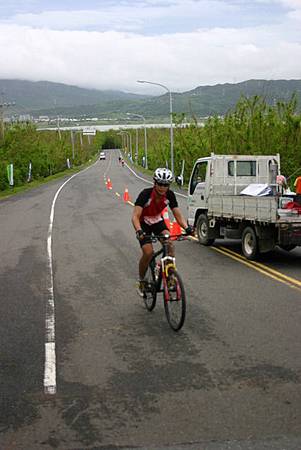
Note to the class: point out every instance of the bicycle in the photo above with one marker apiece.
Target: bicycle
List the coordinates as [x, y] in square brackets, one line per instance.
[162, 276]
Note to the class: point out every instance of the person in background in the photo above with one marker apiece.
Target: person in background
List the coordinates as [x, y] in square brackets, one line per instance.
[282, 183]
[297, 185]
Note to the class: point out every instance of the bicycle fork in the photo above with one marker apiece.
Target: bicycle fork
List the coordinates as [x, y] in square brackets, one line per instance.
[168, 266]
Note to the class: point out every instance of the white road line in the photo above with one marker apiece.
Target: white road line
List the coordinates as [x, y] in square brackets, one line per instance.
[50, 354]
[108, 165]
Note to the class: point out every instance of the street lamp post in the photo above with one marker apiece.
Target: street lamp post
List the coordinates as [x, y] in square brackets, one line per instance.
[171, 125]
[131, 150]
[129, 142]
[122, 139]
[136, 148]
[145, 136]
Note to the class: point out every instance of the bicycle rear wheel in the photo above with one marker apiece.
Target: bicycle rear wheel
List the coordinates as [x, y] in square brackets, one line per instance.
[150, 291]
[175, 301]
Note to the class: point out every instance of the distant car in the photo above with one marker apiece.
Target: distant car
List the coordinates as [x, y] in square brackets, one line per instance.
[102, 155]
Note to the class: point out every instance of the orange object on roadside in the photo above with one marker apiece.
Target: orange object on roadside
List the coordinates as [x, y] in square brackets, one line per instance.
[297, 185]
[109, 184]
[126, 197]
[176, 230]
[166, 217]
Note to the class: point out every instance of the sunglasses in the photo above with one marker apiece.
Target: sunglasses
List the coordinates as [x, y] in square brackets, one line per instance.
[162, 184]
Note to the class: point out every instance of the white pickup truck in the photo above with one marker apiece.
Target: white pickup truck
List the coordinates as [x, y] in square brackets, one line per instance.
[217, 208]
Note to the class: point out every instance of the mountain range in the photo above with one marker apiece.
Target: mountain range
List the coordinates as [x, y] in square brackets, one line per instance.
[53, 99]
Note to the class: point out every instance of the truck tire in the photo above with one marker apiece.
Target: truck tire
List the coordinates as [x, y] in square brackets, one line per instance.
[202, 228]
[249, 243]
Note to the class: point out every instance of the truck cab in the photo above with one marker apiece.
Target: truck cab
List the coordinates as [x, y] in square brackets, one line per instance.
[237, 197]
[228, 175]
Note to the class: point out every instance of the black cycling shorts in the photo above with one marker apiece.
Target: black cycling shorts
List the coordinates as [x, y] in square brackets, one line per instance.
[156, 228]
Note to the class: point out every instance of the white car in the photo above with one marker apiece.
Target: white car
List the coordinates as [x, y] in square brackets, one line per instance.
[102, 155]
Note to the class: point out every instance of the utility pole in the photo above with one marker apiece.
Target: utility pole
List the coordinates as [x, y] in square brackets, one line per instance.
[58, 127]
[72, 142]
[2, 106]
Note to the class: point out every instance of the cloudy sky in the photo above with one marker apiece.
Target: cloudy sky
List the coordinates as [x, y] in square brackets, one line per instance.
[182, 44]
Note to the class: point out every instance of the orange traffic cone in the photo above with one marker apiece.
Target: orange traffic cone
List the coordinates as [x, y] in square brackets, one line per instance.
[109, 184]
[176, 229]
[166, 217]
[126, 197]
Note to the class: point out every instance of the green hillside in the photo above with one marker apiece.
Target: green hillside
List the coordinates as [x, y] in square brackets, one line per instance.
[31, 96]
[52, 99]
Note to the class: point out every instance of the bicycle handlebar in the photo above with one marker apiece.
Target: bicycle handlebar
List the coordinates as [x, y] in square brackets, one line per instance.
[155, 237]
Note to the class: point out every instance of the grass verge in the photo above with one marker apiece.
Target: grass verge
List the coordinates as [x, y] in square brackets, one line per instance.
[36, 183]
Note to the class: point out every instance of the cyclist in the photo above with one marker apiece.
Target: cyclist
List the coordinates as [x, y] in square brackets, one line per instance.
[147, 217]
[122, 162]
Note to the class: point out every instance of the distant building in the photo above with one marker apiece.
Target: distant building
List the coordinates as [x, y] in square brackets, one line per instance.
[25, 118]
[89, 131]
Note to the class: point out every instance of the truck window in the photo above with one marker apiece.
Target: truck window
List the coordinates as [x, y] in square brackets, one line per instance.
[231, 168]
[199, 175]
[243, 168]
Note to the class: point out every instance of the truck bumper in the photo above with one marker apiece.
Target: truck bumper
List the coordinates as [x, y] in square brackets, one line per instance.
[290, 234]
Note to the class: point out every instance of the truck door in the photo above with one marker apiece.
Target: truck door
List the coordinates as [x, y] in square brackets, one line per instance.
[197, 189]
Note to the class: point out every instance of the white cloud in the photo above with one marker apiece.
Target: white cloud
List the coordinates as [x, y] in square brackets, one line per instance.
[151, 17]
[115, 60]
[294, 4]
[204, 42]
[74, 20]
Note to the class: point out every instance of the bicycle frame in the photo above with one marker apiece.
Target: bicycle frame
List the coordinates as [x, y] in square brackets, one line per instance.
[163, 277]
[167, 265]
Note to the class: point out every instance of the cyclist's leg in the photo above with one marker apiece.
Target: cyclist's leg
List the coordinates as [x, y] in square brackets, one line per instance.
[147, 254]
[147, 250]
[147, 287]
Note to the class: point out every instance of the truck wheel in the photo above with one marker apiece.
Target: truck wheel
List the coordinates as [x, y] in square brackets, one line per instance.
[288, 247]
[249, 243]
[202, 228]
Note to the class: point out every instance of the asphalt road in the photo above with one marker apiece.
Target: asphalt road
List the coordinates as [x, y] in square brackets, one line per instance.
[231, 379]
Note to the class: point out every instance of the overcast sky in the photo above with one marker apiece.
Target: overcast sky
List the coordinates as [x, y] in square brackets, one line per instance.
[179, 43]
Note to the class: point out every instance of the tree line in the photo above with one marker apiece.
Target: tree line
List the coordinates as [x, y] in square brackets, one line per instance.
[252, 127]
[48, 152]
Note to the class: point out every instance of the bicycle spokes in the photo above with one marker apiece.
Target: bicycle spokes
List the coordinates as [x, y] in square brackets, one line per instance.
[174, 301]
[150, 291]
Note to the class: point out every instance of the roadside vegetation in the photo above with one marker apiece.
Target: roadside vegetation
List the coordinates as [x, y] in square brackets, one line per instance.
[252, 127]
[47, 151]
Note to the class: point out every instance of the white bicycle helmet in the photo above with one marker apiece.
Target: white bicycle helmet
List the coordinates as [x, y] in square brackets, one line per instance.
[163, 176]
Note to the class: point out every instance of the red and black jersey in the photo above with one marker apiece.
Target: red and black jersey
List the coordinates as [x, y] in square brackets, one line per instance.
[152, 210]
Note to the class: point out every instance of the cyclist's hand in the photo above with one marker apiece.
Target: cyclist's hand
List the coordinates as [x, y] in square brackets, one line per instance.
[140, 235]
[189, 230]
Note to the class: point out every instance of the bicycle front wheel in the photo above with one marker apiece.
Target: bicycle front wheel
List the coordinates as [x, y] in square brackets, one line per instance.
[150, 291]
[175, 301]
